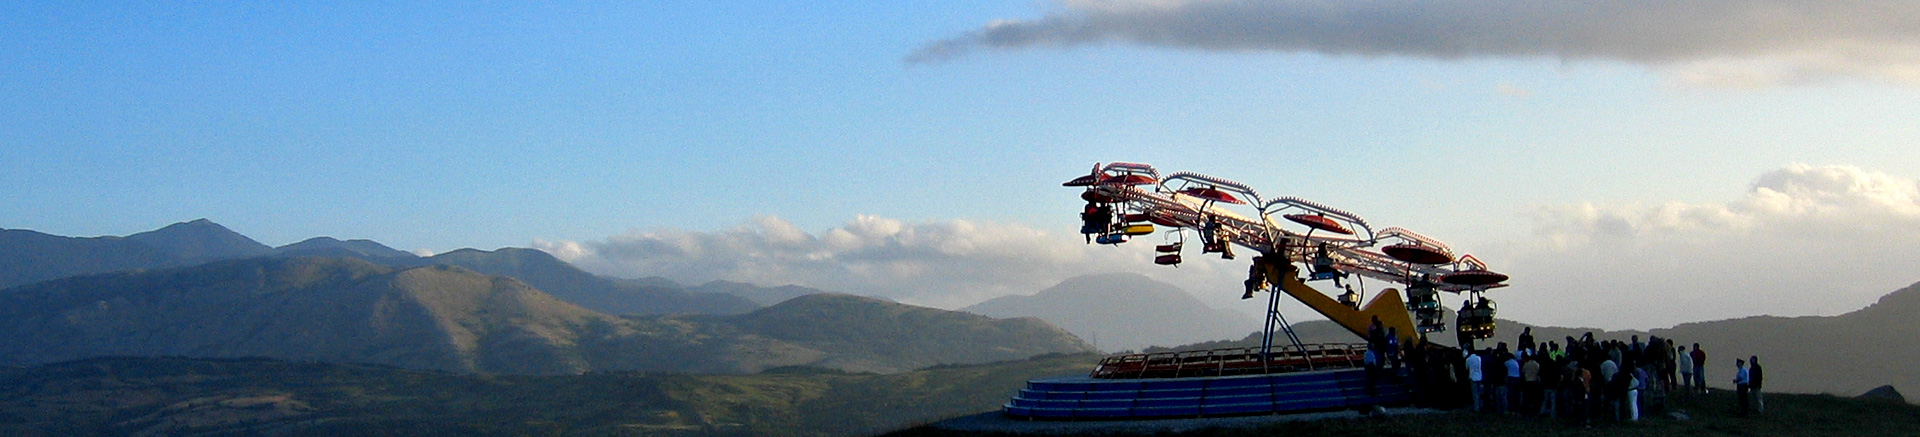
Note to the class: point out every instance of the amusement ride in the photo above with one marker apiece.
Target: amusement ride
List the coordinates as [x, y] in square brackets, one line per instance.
[1284, 234]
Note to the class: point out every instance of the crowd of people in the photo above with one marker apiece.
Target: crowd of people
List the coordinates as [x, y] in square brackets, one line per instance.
[1579, 380]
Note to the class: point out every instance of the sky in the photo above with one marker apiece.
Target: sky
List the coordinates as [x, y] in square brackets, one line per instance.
[1631, 164]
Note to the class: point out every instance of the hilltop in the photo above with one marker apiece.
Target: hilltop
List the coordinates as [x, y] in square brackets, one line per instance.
[28, 256]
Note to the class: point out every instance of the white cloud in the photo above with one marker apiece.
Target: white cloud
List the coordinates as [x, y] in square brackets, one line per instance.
[1803, 240]
[945, 264]
[1723, 43]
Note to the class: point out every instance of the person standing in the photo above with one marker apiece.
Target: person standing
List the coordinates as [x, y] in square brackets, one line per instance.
[1476, 377]
[1526, 342]
[1740, 383]
[1634, 390]
[1496, 379]
[1699, 368]
[1754, 376]
[1686, 369]
[1584, 400]
[1515, 396]
[1530, 382]
[1551, 373]
[1393, 349]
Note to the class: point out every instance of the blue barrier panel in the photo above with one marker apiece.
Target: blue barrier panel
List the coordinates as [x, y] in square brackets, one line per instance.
[1237, 408]
[1166, 411]
[1241, 399]
[1177, 393]
[1116, 403]
[1104, 413]
[1074, 395]
[1174, 402]
[1087, 398]
[1129, 394]
[1053, 412]
[1238, 381]
[1173, 384]
[1262, 390]
[1059, 404]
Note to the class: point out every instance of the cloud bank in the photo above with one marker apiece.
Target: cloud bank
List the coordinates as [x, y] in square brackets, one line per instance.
[945, 264]
[1804, 240]
[1729, 43]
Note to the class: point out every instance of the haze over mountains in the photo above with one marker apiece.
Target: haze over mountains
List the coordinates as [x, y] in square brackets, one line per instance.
[29, 256]
[464, 311]
[199, 289]
[1124, 311]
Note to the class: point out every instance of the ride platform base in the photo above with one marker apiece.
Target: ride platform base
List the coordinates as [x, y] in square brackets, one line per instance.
[1088, 398]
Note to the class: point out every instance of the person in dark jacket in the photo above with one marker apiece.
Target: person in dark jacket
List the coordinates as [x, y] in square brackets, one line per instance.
[1741, 384]
[1754, 376]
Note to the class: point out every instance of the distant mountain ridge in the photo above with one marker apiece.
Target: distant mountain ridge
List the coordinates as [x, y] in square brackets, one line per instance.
[1125, 311]
[764, 296]
[329, 246]
[29, 256]
[601, 294]
[201, 240]
[450, 318]
[327, 309]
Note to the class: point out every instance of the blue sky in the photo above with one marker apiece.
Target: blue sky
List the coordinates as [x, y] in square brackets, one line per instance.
[444, 125]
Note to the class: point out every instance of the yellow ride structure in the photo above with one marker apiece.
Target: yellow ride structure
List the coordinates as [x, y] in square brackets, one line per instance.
[1334, 245]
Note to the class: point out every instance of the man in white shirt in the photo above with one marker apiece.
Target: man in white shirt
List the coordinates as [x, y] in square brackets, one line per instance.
[1476, 376]
[1686, 369]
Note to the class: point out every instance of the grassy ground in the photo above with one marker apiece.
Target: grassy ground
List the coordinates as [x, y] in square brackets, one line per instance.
[1709, 415]
[177, 396]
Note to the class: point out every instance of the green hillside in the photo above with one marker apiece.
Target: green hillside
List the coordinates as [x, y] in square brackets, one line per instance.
[123, 396]
[597, 293]
[449, 318]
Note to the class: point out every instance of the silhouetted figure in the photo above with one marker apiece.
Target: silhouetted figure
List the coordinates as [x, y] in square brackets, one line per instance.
[1256, 277]
[1393, 348]
[1699, 368]
[1754, 378]
[1526, 341]
[1740, 384]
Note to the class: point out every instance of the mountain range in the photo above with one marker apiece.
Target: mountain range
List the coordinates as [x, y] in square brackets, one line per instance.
[444, 317]
[197, 289]
[29, 256]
